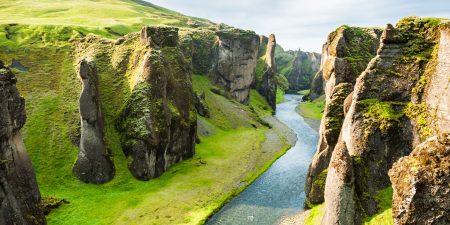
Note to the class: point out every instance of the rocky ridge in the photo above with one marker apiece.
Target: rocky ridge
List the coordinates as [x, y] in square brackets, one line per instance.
[345, 55]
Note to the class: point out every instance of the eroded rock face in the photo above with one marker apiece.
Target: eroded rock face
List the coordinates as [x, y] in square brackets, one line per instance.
[340, 70]
[317, 86]
[305, 67]
[421, 183]
[389, 114]
[19, 194]
[158, 122]
[94, 163]
[234, 63]
[420, 180]
[267, 87]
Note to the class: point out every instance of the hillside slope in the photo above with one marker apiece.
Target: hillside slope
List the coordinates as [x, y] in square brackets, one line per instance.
[44, 43]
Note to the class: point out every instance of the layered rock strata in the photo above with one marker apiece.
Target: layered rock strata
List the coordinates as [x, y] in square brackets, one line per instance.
[267, 86]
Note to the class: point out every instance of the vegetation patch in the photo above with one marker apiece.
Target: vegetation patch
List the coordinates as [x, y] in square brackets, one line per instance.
[316, 214]
[420, 115]
[382, 114]
[312, 109]
[384, 214]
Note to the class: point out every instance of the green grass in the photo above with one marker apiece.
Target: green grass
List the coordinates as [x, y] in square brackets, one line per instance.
[280, 96]
[189, 191]
[312, 109]
[303, 92]
[316, 214]
[113, 16]
[384, 215]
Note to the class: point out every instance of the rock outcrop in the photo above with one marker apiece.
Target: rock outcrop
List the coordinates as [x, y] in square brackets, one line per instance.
[304, 67]
[389, 115]
[94, 163]
[317, 86]
[158, 122]
[346, 53]
[420, 180]
[267, 85]
[19, 195]
[421, 183]
[234, 63]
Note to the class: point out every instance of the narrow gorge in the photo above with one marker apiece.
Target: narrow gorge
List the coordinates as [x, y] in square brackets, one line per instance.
[126, 112]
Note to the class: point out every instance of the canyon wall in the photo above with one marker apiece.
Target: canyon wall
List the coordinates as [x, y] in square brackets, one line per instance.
[19, 196]
[266, 83]
[234, 63]
[304, 67]
[393, 108]
[345, 55]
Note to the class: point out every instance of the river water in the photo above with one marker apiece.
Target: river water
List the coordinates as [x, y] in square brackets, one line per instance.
[279, 191]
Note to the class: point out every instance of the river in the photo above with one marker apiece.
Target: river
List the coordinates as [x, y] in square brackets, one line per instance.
[279, 191]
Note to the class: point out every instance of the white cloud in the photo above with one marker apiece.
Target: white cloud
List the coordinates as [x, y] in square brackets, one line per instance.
[305, 24]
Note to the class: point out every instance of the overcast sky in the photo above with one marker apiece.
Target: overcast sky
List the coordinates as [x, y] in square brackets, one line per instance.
[305, 24]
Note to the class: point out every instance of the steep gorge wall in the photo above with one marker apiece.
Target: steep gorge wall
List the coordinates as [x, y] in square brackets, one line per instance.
[266, 81]
[234, 63]
[388, 116]
[156, 119]
[19, 196]
[345, 55]
[304, 68]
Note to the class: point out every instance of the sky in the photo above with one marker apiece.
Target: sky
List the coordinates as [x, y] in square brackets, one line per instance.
[302, 24]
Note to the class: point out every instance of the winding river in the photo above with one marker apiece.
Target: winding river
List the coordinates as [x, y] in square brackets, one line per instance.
[279, 191]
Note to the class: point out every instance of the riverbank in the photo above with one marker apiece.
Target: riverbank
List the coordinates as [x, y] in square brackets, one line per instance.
[277, 192]
[312, 111]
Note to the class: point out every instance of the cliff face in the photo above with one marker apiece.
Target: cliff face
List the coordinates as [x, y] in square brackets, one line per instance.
[234, 63]
[267, 83]
[304, 68]
[19, 196]
[345, 55]
[388, 115]
[158, 121]
[420, 180]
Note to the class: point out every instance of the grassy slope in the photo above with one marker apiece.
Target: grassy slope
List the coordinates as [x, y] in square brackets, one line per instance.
[191, 190]
[120, 16]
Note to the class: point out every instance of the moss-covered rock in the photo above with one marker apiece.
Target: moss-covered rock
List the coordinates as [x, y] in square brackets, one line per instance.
[158, 121]
[345, 55]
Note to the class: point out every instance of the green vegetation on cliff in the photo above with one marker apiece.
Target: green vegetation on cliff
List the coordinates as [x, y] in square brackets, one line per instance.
[45, 45]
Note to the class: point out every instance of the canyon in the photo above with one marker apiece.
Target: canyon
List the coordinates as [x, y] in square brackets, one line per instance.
[166, 120]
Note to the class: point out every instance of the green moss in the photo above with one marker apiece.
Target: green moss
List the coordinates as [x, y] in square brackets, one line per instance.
[382, 114]
[420, 114]
[384, 214]
[315, 215]
[319, 182]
